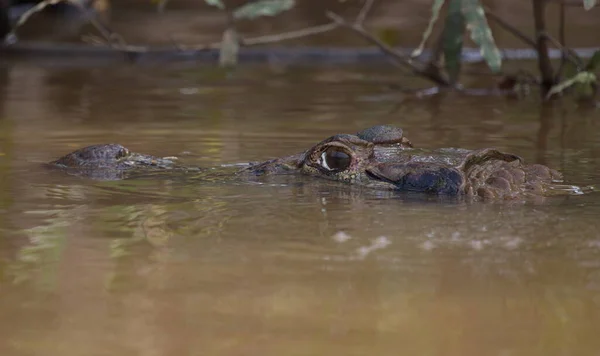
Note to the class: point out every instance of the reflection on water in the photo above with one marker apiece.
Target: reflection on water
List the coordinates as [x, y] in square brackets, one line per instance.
[174, 264]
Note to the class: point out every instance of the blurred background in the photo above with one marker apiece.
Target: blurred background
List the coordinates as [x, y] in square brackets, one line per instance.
[195, 22]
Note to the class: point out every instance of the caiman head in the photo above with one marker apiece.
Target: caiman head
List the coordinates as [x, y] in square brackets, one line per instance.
[107, 162]
[382, 158]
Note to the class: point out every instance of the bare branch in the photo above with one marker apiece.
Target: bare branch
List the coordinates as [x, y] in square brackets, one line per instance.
[544, 63]
[278, 37]
[360, 19]
[395, 55]
[37, 8]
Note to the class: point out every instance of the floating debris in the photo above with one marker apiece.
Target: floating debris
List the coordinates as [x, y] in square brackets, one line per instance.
[427, 245]
[341, 237]
[377, 244]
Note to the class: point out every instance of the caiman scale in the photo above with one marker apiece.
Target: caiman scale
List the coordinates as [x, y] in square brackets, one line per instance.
[379, 157]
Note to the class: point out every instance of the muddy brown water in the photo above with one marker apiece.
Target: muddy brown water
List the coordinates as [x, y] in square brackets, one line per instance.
[192, 265]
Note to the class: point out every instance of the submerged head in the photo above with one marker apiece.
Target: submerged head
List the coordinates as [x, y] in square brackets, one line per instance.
[108, 156]
[107, 162]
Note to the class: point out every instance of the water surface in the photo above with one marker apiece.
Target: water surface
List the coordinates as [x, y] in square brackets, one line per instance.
[185, 265]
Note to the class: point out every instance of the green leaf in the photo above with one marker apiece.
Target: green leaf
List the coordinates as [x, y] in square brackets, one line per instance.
[481, 33]
[579, 78]
[435, 13]
[454, 30]
[230, 47]
[217, 3]
[588, 4]
[594, 63]
[262, 8]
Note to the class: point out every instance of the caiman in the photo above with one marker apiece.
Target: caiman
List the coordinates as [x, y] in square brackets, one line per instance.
[379, 157]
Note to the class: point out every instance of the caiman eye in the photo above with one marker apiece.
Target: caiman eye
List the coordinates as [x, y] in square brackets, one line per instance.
[122, 153]
[335, 160]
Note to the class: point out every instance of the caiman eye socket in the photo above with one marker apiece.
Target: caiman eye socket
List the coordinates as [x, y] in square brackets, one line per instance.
[335, 159]
[122, 153]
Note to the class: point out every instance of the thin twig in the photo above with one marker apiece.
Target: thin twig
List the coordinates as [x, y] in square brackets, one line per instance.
[37, 8]
[309, 31]
[517, 33]
[395, 55]
[278, 37]
[93, 40]
[567, 53]
[106, 32]
[362, 15]
[508, 27]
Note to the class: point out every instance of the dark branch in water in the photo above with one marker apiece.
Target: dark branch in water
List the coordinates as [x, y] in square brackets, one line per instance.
[433, 65]
[562, 40]
[544, 64]
[395, 55]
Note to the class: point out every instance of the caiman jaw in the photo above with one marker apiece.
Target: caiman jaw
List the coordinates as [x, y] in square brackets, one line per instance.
[421, 177]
